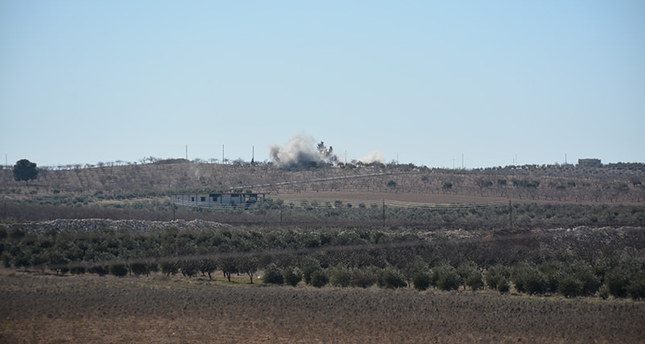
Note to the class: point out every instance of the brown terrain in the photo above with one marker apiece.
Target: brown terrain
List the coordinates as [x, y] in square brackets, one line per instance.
[42, 308]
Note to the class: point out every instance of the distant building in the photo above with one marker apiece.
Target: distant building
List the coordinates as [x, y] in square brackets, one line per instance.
[217, 199]
[589, 163]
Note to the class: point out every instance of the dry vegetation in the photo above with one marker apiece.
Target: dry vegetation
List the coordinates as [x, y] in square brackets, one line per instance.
[556, 183]
[91, 309]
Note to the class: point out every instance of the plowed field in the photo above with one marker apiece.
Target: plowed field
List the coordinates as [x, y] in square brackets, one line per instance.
[39, 308]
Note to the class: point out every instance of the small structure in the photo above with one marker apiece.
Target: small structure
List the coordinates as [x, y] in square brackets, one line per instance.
[589, 163]
[217, 199]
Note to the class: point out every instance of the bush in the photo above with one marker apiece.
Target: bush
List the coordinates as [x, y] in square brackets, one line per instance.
[503, 285]
[319, 278]
[362, 278]
[445, 277]
[627, 279]
[496, 276]
[273, 275]
[470, 275]
[636, 289]
[569, 286]
[292, 276]
[100, 270]
[169, 268]
[119, 270]
[308, 267]
[528, 279]
[474, 280]
[339, 276]
[139, 269]
[391, 278]
[421, 280]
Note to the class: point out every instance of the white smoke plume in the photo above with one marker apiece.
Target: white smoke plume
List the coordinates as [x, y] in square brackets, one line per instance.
[302, 150]
[374, 156]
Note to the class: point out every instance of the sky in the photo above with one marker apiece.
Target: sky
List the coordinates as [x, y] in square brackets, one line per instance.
[441, 84]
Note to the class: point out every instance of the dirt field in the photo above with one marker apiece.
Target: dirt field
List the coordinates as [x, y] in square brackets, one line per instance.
[38, 308]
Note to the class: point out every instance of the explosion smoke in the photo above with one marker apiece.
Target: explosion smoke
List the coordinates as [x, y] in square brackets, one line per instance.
[374, 156]
[301, 150]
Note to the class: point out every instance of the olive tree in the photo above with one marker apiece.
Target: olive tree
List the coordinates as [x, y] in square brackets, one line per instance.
[25, 170]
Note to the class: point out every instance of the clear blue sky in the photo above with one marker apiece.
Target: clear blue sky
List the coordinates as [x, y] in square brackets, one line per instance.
[89, 81]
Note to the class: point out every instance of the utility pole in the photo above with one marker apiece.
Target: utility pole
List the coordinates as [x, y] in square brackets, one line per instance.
[186, 152]
[510, 213]
[252, 154]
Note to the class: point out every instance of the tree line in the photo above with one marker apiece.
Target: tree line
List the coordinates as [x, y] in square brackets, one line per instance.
[338, 257]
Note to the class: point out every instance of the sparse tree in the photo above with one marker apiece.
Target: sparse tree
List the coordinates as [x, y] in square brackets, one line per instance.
[248, 265]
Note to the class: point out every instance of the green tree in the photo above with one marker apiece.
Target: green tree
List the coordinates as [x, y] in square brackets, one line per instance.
[445, 277]
[391, 278]
[340, 276]
[272, 274]
[319, 278]
[292, 276]
[421, 280]
[308, 267]
[228, 267]
[25, 170]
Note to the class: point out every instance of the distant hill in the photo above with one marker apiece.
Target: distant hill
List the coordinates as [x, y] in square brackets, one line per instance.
[614, 183]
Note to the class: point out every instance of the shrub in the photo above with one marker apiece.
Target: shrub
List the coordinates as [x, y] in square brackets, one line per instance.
[139, 269]
[100, 270]
[168, 268]
[445, 277]
[118, 269]
[339, 276]
[528, 279]
[421, 280]
[569, 286]
[319, 278]
[272, 274]
[474, 280]
[503, 285]
[391, 278]
[636, 289]
[308, 267]
[292, 276]
[362, 278]
[584, 273]
[470, 275]
[496, 275]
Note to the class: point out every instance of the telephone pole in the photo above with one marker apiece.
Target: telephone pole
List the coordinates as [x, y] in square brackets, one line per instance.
[510, 213]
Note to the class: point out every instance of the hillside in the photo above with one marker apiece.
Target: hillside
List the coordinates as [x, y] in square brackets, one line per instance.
[618, 183]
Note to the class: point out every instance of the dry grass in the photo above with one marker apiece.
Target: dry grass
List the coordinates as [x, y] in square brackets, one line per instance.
[89, 309]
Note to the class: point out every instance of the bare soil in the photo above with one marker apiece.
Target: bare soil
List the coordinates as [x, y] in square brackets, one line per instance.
[42, 308]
